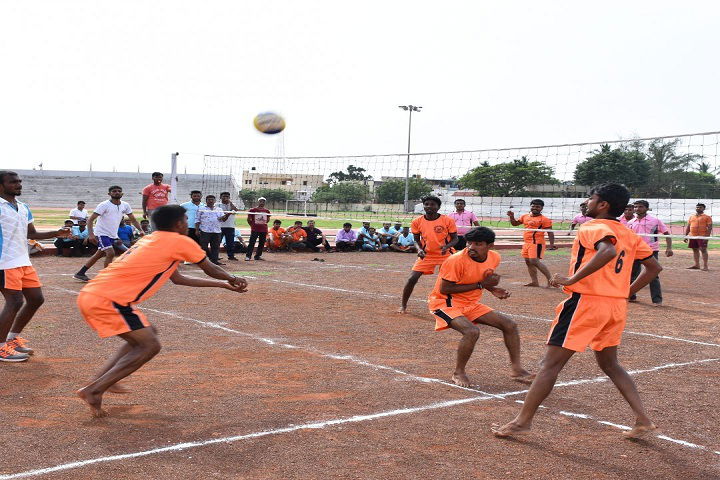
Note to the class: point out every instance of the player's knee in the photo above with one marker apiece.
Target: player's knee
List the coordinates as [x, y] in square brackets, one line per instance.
[36, 300]
[472, 333]
[152, 348]
[14, 302]
[508, 324]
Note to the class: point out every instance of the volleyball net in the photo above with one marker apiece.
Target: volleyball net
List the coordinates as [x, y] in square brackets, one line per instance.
[673, 173]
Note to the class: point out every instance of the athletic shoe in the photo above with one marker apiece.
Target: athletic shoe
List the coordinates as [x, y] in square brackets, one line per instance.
[82, 277]
[19, 344]
[8, 354]
[247, 259]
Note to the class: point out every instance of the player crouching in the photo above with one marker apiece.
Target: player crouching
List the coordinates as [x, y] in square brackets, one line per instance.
[455, 302]
[108, 302]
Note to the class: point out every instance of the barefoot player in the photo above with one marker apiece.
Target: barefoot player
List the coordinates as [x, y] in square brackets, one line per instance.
[533, 248]
[108, 302]
[435, 235]
[455, 302]
[594, 314]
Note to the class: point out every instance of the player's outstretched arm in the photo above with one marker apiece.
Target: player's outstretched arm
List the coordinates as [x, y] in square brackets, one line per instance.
[35, 235]
[605, 253]
[179, 279]
[651, 270]
[511, 216]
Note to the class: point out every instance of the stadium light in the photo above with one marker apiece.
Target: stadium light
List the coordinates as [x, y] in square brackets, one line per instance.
[410, 109]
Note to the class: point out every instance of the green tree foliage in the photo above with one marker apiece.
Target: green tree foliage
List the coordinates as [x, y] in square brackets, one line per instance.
[668, 168]
[346, 192]
[508, 179]
[695, 185]
[393, 191]
[626, 165]
[353, 174]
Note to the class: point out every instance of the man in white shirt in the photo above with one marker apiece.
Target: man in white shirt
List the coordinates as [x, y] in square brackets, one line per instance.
[207, 225]
[108, 215]
[79, 213]
[19, 282]
[227, 227]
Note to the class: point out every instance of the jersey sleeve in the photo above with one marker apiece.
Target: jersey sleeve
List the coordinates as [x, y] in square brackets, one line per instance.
[642, 249]
[146, 190]
[100, 209]
[128, 209]
[187, 249]
[522, 218]
[451, 270]
[590, 235]
[415, 226]
[661, 227]
[546, 223]
[30, 215]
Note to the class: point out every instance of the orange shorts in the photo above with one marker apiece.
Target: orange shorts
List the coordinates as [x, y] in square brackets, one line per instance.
[427, 265]
[18, 278]
[533, 250]
[444, 314]
[108, 318]
[588, 320]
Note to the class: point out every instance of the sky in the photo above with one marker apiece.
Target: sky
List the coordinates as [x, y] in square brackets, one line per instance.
[121, 85]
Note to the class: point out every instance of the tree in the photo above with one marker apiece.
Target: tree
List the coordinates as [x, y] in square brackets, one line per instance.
[346, 192]
[353, 174]
[695, 185]
[393, 191]
[508, 179]
[666, 167]
[626, 165]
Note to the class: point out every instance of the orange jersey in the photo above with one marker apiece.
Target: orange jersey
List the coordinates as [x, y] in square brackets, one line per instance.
[462, 269]
[433, 233]
[298, 235]
[144, 268]
[541, 221]
[276, 235]
[699, 225]
[613, 279]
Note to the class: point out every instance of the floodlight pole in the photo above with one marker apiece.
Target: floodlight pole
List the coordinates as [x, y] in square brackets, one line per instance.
[410, 109]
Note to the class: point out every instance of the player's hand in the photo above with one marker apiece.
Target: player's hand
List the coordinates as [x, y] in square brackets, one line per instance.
[237, 284]
[552, 247]
[491, 280]
[669, 252]
[500, 293]
[92, 239]
[421, 253]
[63, 233]
[685, 240]
[444, 249]
[558, 280]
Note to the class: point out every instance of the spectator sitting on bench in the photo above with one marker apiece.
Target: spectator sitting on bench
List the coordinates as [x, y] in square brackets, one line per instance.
[315, 237]
[275, 241]
[64, 245]
[405, 242]
[295, 237]
[346, 238]
[371, 241]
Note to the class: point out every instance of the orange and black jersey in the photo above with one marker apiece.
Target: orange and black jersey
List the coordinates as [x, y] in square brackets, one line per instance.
[434, 233]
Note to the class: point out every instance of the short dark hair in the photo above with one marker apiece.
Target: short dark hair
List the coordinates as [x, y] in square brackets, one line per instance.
[157, 174]
[167, 216]
[701, 205]
[6, 173]
[480, 234]
[224, 193]
[298, 221]
[209, 196]
[629, 205]
[80, 201]
[537, 201]
[144, 220]
[82, 220]
[68, 220]
[276, 221]
[432, 198]
[347, 224]
[644, 203]
[193, 192]
[113, 187]
[615, 194]
[459, 200]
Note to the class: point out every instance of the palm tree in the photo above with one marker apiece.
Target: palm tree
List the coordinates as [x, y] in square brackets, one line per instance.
[665, 165]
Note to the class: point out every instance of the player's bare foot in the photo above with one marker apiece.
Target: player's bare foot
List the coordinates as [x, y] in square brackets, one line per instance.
[522, 376]
[706, 269]
[402, 310]
[509, 430]
[118, 388]
[94, 401]
[639, 431]
[531, 284]
[694, 267]
[461, 379]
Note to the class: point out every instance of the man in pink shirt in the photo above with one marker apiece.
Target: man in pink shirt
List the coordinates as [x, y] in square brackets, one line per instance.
[464, 220]
[155, 195]
[580, 219]
[627, 215]
[647, 224]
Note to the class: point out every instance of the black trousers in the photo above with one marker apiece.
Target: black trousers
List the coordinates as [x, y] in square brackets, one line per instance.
[655, 290]
[213, 239]
[228, 233]
[313, 244]
[260, 238]
[192, 233]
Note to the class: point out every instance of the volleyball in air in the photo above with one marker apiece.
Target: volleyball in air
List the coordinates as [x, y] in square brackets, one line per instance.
[269, 123]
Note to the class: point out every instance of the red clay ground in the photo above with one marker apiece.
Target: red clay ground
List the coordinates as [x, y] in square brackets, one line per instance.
[316, 342]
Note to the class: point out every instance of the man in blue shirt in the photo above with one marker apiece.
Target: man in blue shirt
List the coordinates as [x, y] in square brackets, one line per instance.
[191, 208]
[125, 234]
[405, 242]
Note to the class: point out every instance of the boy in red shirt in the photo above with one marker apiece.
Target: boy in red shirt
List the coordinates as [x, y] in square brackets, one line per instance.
[155, 195]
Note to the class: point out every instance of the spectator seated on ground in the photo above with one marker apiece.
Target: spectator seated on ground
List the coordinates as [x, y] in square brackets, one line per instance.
[145, 227]
[82, 246]
[363, 232]
[386, 235]
[346, 238]
[396, 229]
[295, 237]
[404, 242]
[239, 246]
[275, 239]
[125, 234]
[64, 245]
[315, 237]
[371, 241]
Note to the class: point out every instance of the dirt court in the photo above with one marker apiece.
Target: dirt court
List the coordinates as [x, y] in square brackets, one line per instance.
[312, 374]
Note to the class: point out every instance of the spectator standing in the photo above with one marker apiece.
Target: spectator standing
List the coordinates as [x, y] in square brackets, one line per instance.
[628, 214]
[155, 195]
[258, 219]
[227, 227]
[699, 225]
[581, 218]
[405, 242]
[464, 220]
[315, 237]
[371, 241]
[78, 213]
[647, 224]
[207, 226]
[275, 240]
[345, 238]
[108, 215]
[191, 209]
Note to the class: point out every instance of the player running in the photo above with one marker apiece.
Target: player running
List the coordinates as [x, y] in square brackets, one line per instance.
[108, 302]
[594, 315]
[533, 248]
[455, 302]
[435, 235]
[19, 282]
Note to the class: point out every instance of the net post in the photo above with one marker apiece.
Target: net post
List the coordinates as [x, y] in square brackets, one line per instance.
[173, 178]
